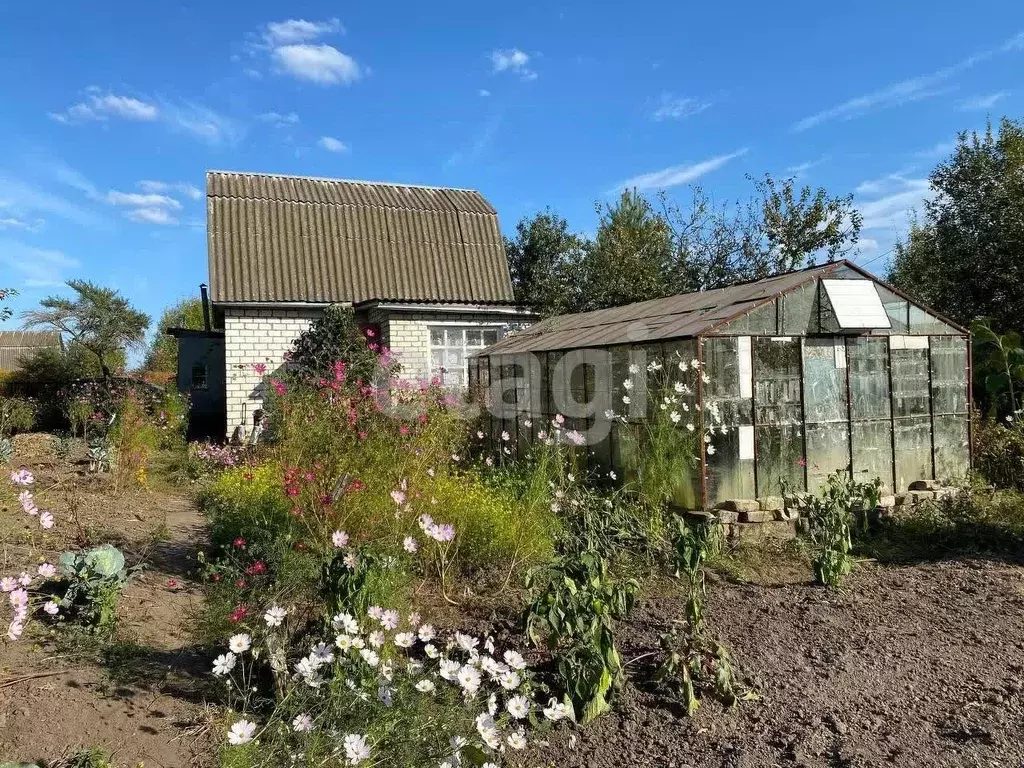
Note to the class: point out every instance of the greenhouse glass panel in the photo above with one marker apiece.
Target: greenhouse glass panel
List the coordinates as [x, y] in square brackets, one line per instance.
[872, 451]
[825, 413]
[949, 374]
[913, 439]
[800, 310]
[780, 459]
[922, 322]
[728, 400]
[868, 359]
[897, 308]
[855, 304]
[828, 451]
[762, 321]
[777, 381]
[910, 393]
[729, 475]
[952, 458]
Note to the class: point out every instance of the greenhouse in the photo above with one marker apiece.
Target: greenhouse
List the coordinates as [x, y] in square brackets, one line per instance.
[763, 388]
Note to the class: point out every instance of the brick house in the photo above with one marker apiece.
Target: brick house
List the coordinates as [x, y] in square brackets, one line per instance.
[424, 266]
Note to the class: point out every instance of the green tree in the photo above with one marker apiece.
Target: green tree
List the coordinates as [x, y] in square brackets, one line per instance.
[965, 257]
[6, 312]
[99, 319]
[542, 258]
[162, 356]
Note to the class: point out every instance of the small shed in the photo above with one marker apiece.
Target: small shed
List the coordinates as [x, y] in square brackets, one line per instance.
[780, 382]
[16, 346]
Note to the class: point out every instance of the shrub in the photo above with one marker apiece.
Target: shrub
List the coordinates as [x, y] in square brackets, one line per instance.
[829, 517]
[16, 415]
[336, 337]
[133, 438]
[999, 452]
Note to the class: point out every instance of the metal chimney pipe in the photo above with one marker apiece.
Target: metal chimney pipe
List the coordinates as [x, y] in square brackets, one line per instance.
[206, 307]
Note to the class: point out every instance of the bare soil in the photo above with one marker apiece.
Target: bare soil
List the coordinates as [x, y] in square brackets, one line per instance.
[915, 665]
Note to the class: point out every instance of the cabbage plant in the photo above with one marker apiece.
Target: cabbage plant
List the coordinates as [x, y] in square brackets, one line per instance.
[95, 578]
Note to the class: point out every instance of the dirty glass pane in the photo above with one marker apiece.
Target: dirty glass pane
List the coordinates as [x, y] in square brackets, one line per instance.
[558, 384]
[913, 451]
[800, 310]
[780, 458]
[824, 380]
[951, 457]
[910, 395]
[828, 322]
[923, 323]
[869, 377]
[729, 476]
[949, 374]
[758, 322]
[896, 308]
[828, 450]
[872, 451]
[776, 381]
[620, 372]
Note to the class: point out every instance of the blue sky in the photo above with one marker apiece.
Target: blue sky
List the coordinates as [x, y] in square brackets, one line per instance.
[111, 116]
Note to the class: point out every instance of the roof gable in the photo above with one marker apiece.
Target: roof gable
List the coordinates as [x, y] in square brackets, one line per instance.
[297, 239]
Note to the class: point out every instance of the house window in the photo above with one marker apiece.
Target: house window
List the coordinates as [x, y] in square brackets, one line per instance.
[198, 377]
[449, 348]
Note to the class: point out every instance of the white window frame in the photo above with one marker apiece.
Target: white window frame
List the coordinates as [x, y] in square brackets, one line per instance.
[457, 337]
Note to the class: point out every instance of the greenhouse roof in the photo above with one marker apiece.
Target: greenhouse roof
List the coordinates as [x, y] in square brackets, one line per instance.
[682, 316]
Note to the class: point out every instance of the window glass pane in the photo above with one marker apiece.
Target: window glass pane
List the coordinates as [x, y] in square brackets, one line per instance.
[872, 451]
[437, 337]
[728, 401]
[474, 337]
[949, 374]
[828, 451]
[825, 380]
[951, 456]
[913, 450]
[490, 336]
[921, 323]
[780, 459]
[895, 307]
[776, 381]
[910, 382]
[800, 310]
[868, 359]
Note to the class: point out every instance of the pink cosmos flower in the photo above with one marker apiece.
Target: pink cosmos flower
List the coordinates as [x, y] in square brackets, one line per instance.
[8, 584]
[409, 544]
[339, 539]
[25, 579]
[47, 571]
[22, 477]
[278, 387]
[51, 607]
[259, 368]
[399, 497]
[351, 561]
[46, 520]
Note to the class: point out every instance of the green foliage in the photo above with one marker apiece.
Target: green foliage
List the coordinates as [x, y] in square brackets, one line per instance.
[964, 257]
[999, 452]
[829, 516]
[162, 356]
[998, 370]
[575, 604]
[971, 522]
[335, 336]
[95, 579]
[16, 415]
[99, 319]
[695, 664]
[6, 312]
[645, 251]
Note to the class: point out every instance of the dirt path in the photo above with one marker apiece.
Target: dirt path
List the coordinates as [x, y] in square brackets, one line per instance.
[907, 666]
[141, 696]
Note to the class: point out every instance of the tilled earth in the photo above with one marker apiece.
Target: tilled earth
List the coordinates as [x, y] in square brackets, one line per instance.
[905, 666]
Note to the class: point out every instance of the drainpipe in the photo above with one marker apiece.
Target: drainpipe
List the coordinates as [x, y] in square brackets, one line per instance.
[206, 307]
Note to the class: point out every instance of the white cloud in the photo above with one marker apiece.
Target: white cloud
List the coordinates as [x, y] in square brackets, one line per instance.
[942, 149]
[512, 60]
[279, 120]
[322, 64]
[38, 267]
[145, 200]
[180, 187]
[13, 222]
[484, 92]
[906, 91]
[678, 174]
[798, 170]
[981, 103]
[158, 216]
[26, 200]
[889, 201]
[678, 107]
[332, 144]
[299, 31]
[104, 106]
[201, 122]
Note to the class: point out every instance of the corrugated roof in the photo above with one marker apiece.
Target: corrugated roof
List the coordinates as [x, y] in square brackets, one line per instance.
[16, 345]
[685, 315]
[296, 239]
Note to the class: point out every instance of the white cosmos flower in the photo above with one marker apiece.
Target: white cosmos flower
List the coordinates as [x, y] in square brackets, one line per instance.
[302, 723]
[683, 366]
[675, 417]
[431, 650]
[491, 666]
[467, 643]
[515, 660]
[358, 642]
[275, 616]
[505, 436]
[425, 686]
[389, 619]
[469, 678]
[370, 657]
[339, 539]
[345, 622]
[488, 730]
[711, 450]
[405, 639]
[517, 739]
[609, 414]
[509, 680]
[626, 400]
[556, 710]
[654, 365]
[376, 639]
[240, 643]
[634, 368]
[426, 633]
[449, 669]
[627, 384]
[356, 749]
[518, 707]
[223, 664]
[241, 732]
[409, 544]
[679, 387]
[690, 427]
[695, 363]
[322, 653]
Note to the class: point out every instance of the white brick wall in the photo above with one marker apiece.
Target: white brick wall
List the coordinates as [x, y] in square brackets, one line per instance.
[264, 335]
[254, 336]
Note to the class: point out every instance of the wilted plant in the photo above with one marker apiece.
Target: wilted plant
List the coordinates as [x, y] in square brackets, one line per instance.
[576, 602]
